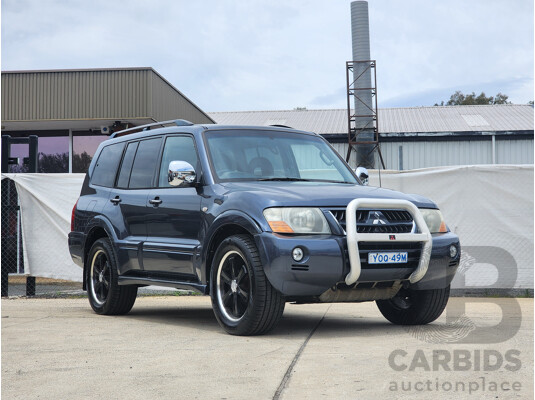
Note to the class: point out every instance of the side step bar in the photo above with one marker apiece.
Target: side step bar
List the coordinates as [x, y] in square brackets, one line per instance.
[353, 238]
[134, 280]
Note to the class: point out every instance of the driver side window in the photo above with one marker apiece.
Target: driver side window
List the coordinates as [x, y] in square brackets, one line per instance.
[177, 148]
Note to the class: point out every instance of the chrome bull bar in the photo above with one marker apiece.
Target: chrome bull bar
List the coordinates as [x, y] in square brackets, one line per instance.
[353, 238]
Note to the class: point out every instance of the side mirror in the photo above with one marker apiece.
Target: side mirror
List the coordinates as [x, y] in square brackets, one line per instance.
[362, 173]
[180, 172]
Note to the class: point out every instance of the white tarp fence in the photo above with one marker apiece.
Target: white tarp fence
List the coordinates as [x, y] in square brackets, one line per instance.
[489, 207]
[46, 202]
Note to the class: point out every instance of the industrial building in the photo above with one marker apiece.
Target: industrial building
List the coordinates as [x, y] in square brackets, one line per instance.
[419, 137]
[73, 111]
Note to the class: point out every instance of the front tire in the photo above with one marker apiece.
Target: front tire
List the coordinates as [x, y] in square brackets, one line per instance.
[414, 307]
[243, 300]
[104, 293]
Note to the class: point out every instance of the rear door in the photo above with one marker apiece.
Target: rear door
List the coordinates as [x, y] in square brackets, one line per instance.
[95, 201]
[134, 182]
[174, 217]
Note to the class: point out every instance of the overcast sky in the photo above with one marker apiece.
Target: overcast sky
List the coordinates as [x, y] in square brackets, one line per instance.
[272, 55]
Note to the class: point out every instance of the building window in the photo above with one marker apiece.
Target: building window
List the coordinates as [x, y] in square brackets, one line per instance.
[53, 154]
[83, 149]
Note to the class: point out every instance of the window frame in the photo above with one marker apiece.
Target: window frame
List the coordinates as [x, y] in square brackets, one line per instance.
[156, 172]
[198, 167]
[258, 131]
[121, 164]
[161, 138]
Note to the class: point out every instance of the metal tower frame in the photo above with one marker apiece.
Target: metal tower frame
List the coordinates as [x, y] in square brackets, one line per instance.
[352, 90]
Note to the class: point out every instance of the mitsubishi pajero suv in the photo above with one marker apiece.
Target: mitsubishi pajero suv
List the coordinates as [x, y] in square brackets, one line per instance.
[254, 217]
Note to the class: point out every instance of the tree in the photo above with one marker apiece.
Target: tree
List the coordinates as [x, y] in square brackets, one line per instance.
[80, 162]
[458, 99]
[58, 162]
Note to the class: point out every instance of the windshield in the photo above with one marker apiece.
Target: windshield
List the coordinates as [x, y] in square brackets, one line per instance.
[274, 156]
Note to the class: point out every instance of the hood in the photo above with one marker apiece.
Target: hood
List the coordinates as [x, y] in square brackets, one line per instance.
[314, 194]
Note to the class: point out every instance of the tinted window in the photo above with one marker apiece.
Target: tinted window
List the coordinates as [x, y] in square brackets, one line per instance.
[106, 167]
[145, 162]
[177, 148]
[126, 166]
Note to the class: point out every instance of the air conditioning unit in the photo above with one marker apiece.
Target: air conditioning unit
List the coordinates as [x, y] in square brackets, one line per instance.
[105, 130]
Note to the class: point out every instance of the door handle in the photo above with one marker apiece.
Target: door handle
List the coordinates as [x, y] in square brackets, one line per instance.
[155, 202]
[116, 200]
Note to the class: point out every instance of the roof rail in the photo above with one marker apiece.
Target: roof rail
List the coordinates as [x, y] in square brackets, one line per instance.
[282, 126]
[177, 122]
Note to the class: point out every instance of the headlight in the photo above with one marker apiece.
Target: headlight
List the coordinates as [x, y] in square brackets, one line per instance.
[296, 220]
[434, 220]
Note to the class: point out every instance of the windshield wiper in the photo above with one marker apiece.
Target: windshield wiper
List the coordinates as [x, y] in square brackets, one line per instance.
[282, 179]
[285, 179]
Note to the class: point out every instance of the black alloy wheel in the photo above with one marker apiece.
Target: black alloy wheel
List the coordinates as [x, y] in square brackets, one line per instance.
[233, 286]
[243, 299]
[100, 277]
[105, 294]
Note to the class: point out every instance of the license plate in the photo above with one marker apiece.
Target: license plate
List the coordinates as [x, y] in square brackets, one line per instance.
[399, 257]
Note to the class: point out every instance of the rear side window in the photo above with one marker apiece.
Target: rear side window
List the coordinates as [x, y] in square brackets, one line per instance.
[145, 162]
[126, 166]
[106, 167]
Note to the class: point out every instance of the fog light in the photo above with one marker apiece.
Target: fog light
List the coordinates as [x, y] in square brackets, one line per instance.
[298, 254]
[453, 251]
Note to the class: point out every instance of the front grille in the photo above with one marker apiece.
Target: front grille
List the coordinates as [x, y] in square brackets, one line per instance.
[413, 249]
[377, 221]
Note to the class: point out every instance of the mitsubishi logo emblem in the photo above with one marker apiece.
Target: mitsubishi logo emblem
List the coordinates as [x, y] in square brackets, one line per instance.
[377, 217]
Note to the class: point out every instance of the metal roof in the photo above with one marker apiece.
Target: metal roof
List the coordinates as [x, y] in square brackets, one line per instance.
[487, 118]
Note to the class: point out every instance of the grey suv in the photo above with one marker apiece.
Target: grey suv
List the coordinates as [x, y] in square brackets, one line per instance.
[254, 217]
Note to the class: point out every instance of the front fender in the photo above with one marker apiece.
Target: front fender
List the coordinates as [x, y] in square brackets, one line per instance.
[227, 223]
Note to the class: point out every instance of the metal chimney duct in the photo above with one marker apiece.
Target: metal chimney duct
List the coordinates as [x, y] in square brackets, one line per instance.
[360, 32]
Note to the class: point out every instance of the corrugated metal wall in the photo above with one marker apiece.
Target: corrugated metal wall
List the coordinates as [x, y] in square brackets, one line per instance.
[435, 154]
[119, 94]
[167, 105]
[95, 94]
[514, 152]
[341, 148]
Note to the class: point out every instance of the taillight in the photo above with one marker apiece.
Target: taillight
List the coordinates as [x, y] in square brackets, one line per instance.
[72, 215]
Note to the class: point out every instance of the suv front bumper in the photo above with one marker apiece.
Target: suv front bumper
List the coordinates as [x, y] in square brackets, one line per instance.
[326, 264]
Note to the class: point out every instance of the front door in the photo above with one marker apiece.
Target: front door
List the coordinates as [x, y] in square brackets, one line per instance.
[174, 218]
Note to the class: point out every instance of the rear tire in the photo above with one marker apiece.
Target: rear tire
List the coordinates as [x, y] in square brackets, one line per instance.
[104, 293]
[243, 300]
[415, 307]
